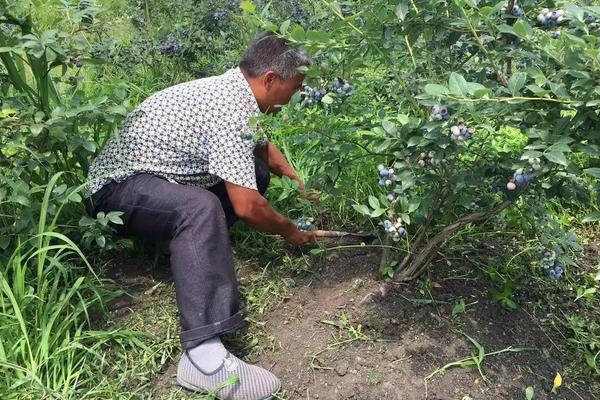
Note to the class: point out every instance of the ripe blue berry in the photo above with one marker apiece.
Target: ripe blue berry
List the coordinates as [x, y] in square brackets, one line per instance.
[520, 179]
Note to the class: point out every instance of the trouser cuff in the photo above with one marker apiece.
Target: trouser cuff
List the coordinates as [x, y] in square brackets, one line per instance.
[193, 337]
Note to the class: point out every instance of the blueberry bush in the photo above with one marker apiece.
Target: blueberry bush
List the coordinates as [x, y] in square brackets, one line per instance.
[474, 107]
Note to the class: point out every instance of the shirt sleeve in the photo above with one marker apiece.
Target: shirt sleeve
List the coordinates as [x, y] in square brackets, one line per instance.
[231, 156]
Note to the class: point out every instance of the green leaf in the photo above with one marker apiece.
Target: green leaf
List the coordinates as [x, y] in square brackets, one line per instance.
[516, 83]
[402, 11]
[36, 129]
[361, 208]
[433, 89]
[4, 242]
[378, 212]
[593, 217]
[389, 127]
[413, 205]
[86, 221]
[557, 158]
[327, 99]
[522, 29]
[595, 172]
[575, 11]
[89, 145]
[458, 85]
[115, 217]
[298, 33]
[581, 292]
[101, 241]
[405, 217]
[248, 6]
[373, 202]
[458, 307]
[529, 393]
[317, 36]
[413, 141]
[284, 26]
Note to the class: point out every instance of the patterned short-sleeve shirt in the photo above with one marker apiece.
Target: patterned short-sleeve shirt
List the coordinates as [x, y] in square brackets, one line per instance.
[195, 133]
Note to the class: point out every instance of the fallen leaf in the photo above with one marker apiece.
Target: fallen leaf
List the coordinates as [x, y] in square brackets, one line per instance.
[557, 382]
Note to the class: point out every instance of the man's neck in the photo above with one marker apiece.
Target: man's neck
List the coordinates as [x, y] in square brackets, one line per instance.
[257, 90]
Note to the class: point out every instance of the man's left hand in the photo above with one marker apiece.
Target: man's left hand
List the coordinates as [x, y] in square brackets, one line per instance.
[310, 195]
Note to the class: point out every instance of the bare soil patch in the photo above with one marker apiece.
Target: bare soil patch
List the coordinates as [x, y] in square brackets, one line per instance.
[331, 338]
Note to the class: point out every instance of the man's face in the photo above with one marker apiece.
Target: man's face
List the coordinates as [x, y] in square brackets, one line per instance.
[280, 91]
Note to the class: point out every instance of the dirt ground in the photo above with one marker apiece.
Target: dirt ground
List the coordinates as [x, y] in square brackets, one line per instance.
[342, 333]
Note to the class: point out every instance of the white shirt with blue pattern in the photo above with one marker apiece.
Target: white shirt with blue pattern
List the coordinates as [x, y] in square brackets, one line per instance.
[195, 133]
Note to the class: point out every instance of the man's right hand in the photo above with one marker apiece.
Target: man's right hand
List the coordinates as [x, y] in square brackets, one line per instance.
[256, 211]
[300, 238]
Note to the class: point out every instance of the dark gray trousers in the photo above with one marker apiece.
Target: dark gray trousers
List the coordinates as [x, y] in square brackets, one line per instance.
[196, 222]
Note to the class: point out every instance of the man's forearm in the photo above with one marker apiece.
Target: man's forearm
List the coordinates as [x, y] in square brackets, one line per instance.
[263, 216]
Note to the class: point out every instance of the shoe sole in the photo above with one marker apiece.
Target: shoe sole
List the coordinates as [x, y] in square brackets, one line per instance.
[196, 389]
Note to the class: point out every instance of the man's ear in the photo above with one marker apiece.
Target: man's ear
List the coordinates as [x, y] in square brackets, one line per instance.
[269, 79]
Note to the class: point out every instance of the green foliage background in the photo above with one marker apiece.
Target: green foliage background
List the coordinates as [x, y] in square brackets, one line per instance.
[71, 70]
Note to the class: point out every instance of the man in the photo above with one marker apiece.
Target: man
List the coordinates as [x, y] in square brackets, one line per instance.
[183, 168]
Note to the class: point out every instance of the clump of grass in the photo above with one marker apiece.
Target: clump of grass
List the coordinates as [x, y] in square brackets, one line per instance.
[49, 347]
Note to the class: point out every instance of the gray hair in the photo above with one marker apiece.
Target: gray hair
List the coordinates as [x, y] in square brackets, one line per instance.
[267, 52]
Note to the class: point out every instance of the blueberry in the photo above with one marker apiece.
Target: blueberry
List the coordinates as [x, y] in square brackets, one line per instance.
[511, 186]
[528, 178]
[520, 179]
[558, 270]
[387, 224]
[391, 197]
[589, 19]
[401, 231]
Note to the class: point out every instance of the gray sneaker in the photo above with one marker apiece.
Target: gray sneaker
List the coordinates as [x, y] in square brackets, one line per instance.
[234, 380]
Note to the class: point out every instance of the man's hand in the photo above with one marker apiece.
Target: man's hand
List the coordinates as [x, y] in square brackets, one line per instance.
[300, 238]
[256, 211]
[310, 195]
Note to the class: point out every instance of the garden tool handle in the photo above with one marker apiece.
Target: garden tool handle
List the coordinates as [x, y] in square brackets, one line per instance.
[330, 233]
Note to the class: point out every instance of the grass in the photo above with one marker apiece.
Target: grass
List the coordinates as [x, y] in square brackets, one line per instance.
[50, 347]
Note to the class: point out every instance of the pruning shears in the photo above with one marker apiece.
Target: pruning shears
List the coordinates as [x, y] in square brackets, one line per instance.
[332, 234]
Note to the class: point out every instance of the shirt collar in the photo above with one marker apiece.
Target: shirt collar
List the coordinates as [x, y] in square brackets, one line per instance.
[240, 80]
